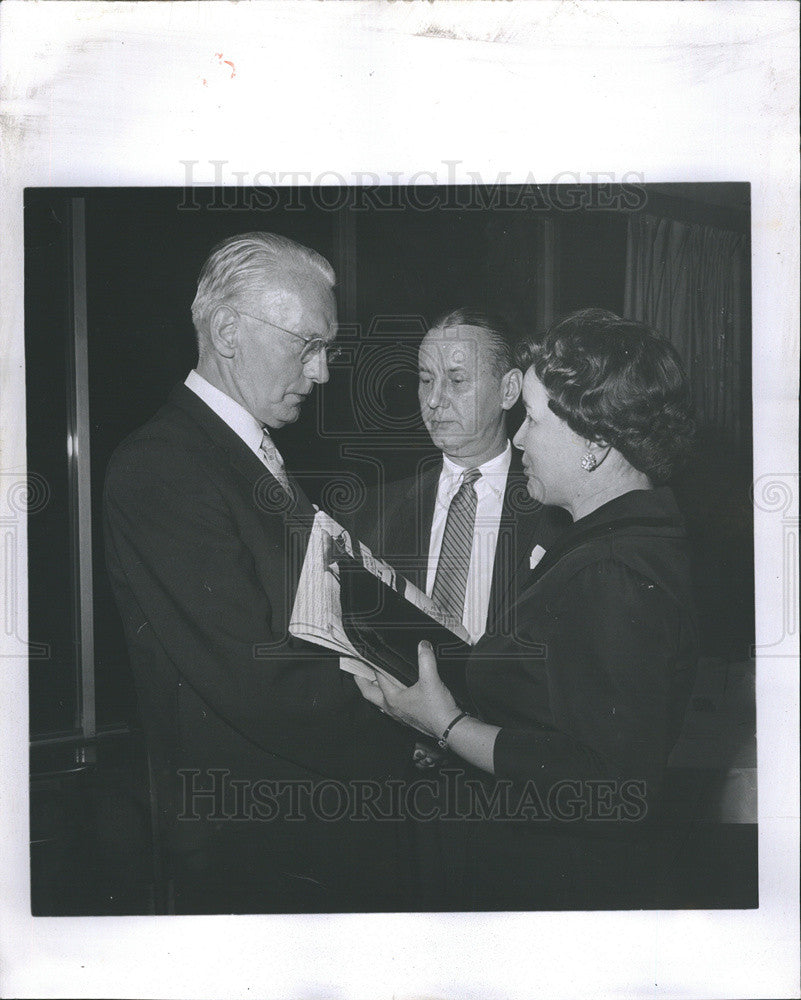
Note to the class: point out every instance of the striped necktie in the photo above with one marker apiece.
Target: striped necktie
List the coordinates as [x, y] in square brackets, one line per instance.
[450, 583]
[274, 462]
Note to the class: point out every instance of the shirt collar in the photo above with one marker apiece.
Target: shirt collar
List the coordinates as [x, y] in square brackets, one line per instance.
[242, 423]
[493, 472]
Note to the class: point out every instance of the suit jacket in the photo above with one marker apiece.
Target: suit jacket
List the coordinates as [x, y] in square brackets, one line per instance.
[204, 552]
[397, 525]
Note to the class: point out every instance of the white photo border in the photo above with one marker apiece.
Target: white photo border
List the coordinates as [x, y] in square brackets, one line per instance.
[126, 94]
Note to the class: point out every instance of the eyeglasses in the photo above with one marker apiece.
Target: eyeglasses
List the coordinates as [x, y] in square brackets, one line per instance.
[313, 346]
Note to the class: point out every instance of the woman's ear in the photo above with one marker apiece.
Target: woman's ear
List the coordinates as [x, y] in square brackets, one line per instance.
[223, 330]
[511, 387]
[595, 454]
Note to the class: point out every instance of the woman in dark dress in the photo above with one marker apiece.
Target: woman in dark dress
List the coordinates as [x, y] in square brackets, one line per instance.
[582, 698]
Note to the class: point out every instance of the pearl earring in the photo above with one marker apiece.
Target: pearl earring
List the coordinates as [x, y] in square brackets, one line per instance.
[588, 461]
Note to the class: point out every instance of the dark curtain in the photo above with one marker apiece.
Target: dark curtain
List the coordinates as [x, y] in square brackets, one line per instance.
[690, 282]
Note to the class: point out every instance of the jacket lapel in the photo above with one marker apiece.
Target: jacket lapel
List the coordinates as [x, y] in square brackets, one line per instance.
[429, 481]
[268, 494]
[411, 530]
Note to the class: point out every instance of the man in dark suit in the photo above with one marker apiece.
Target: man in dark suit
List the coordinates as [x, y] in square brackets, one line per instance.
[205, 535]
[467, 384]
[464, 529]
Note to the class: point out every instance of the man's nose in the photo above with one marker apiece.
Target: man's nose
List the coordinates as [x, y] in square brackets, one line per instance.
[436, 396]
[317, 368]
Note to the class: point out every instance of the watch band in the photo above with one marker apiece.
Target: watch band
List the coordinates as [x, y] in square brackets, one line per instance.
[442, 742]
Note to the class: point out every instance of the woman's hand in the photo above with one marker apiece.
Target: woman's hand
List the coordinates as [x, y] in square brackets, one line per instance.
[428, 705]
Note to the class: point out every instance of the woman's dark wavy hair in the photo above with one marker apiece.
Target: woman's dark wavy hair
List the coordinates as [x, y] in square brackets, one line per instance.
[616, 381]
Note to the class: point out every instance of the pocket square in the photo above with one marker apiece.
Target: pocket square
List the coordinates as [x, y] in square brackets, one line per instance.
[536, 554]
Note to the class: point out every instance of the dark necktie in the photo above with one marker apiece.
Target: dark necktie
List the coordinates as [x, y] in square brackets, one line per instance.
[450, 583]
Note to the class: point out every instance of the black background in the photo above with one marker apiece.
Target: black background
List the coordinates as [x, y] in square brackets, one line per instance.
[410, 258]
[399, 265]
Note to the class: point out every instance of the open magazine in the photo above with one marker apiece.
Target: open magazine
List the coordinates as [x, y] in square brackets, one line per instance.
[354, 603]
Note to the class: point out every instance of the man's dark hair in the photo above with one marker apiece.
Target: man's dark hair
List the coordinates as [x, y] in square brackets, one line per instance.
[616, 381]
[498, 333]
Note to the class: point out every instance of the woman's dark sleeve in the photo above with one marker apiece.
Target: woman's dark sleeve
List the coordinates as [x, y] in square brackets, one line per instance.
[611, 653]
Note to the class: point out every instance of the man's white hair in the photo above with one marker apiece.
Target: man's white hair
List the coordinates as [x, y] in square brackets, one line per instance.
[240, 263]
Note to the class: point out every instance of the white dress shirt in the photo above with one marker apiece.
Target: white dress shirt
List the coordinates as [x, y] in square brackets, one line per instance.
[242, 423]
[490, 489]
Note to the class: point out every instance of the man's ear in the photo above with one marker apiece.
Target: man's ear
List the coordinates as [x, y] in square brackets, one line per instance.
[511, 387]
[223, 330]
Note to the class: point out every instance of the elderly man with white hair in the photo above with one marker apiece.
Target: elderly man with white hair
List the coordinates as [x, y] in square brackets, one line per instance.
[204, 528]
